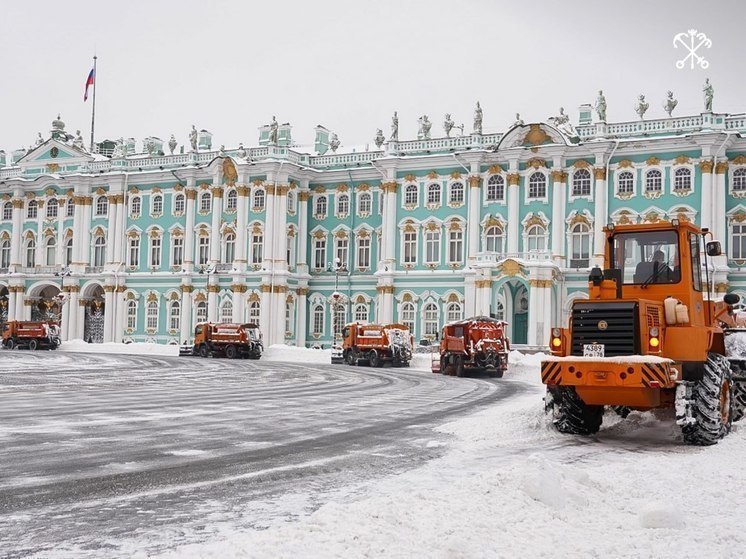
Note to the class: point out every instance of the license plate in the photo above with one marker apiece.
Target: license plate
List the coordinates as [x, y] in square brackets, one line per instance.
[593, 350]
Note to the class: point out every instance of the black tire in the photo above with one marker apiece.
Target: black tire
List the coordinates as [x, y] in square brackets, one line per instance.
[458, 366]
[739, 399]
[444, 365]
[707, 404]
[33, 345]
[10, 343]
[203, 351]
[622, 411]
[495, 373]
[374, 359]
[570, 415]
[231, 352]
[350, 357]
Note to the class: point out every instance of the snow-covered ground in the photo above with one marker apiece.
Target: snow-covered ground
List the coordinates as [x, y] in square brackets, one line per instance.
[80, 346]
[510, 486]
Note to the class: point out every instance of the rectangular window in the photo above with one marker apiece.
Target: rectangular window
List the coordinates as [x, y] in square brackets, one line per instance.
[131, 315]
[204, 251]
[155, 252]
[432, 247]
[319, 253]
[738, 241]
[175, 318]
[410, 247]
[152, 316]
[455, 247]
[177, 247]
[70, 208]
[134, 252]
[363, 252]
[342, 252]
[257, 248]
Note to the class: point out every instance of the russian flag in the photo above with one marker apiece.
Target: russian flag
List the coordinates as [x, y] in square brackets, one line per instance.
[89, 82]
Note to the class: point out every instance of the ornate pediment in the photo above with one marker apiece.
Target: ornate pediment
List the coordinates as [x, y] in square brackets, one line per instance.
[532, 135]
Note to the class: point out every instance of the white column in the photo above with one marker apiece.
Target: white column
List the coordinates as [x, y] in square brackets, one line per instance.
[302, 255]
[706, 195]
[281, 236]
[386, 303]
[16, 239]
[270, 229]
[389, 234]
[212, 298]
[470, 295]
[241, 222]
[85, 249]
[12, 296]
[80, 320]
[278, 324]
[61, 213]
[191, 195]
[300, 316]
[559, 194]
[40, 237]
[186, 313]
[117, 329]
[113, 232]
[539, 306]
[265, 311]
[600, 214]
[382, 254]
[473, 220]
[109, 311]
[21, 307]
[514, 221]
[71, 332]
[217, 212]
[718, 205]
[238, 300]
[65, 318]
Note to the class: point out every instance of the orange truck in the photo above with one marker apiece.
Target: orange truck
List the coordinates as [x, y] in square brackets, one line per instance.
[649, 336]
[233, 341]
[376, 344]
[476, 344]
[31, 335]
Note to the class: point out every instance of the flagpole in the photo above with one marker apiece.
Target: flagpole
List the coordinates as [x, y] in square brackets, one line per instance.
[93, 112]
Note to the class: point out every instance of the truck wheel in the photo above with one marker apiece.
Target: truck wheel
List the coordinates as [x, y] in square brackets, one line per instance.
[459, 366]
[203, 351]
[374, 359]
[496, 373]
[570, 414]
[9, 343]
[739, 399]
[231, 352]
[33, 345]
[350, 357]
[704, 408]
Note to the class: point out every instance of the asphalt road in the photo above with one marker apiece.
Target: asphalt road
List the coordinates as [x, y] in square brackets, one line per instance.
[108, 456]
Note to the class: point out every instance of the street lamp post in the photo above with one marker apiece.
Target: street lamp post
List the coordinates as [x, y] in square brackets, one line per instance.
[338, 267]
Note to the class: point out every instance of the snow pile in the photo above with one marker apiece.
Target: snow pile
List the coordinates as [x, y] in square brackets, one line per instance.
[421, 362]
[510, 486]
[294, 354]
[79, 346]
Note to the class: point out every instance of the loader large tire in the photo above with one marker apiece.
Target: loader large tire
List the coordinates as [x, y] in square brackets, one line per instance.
[570, 414]
[739, 399]
[705, 412]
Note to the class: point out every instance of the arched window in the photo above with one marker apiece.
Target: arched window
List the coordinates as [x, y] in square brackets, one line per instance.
[257, 247]
[581, 183]
[537, 185]
[179, 203]
[682, 179]
[70, 207]
[536, 238]
[318, 320]
[52, 208]
[457, 193]
[151, 315]
[291, 202]
[174, 316]
[343, 204]
[653, 181]
[433, 193]
[254, 312]
[8, 211]
[580, 245]
[205, 202]
[411, 195]
[739, 179]
[493, 239]
[495, 188]
[32, 209]
[5, 254]
[131, 315]
[51, 251]
[407, 315]
[626, 183]
[226, 311]
[320, 206]
[201, 312]
[30, 253]
[230, 248]
[69, 251]
[135, 206]
[453, 312]
[258, 199]
[365, 203]
[430, 324]
[102, 206]
[231, 201]
[157, 208]
[99, 250]
[361, 312]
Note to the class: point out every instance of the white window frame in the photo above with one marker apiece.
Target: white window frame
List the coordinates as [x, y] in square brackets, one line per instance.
[320, 202]
[174, 316]
[495, 182]
[133, 251]
[8, 211]
[576, 181]
[646, 179]
[229, 248]
[52, 203]
[179, 200]
[342, 205]
[741, 234]
[738, 180]
[408, 315]
[131, 315]
[318, 316]
[361, 211]
[32, 209]
[319, 252]
[454, 312]
[203, 250]
[410, 240]
[618, 179]
[411, 197]
[488, 239]
[155, 252]
[231, 201]
[677, 176]
[50, 249]
[431, 239]
[431, 190]
[455, 243]
[257, 247]
[152, 316]
[363, 252]
[177, 250]
[205, 202]
[258, 200]
[156, 198]
[98, 256]
[135, 207]
[537, 179]
[361, 312]
[430, 320]
[575, 239]
[102, 207]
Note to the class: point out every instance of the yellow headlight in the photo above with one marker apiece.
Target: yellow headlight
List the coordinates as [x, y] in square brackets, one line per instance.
[654, 342]
[556, 342]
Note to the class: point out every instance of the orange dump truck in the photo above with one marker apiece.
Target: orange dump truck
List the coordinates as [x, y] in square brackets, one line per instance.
[32, 335]
[233, 341]
[476, 344]
[376, 344]
[649, 336]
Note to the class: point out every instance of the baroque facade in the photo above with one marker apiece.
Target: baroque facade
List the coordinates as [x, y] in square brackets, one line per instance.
[141, 246]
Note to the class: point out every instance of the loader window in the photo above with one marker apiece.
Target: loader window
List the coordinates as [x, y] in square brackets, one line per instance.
[646, 257]
[695, 247]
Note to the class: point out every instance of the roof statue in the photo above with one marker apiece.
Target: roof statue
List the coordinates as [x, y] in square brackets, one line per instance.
[380, 138]
[518, 120]
[601, 106]
[670, 103]
[425, 125]
[448, 125]
[709, 93]
[172, 144]
[395, 128]
[334, 142]
[241, 151]
[642, 106]
[193, 137]
[478, 119]
[273, 132]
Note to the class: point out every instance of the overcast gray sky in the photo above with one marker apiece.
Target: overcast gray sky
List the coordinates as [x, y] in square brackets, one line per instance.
[228, 66]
